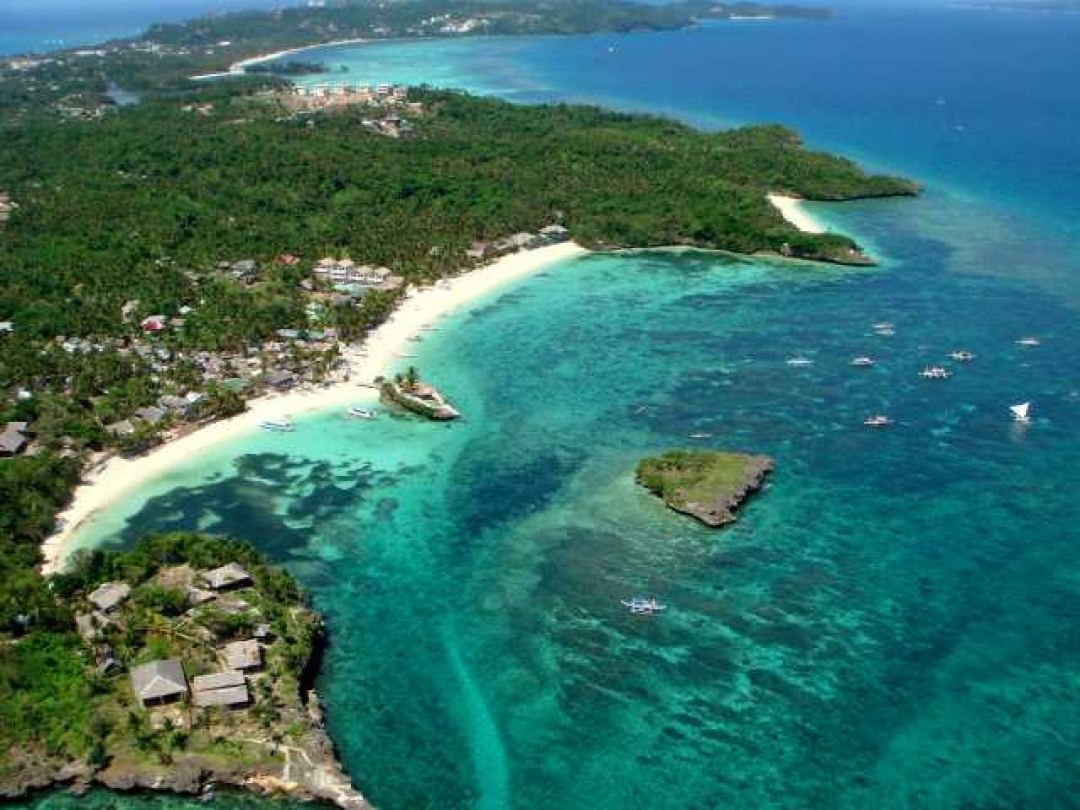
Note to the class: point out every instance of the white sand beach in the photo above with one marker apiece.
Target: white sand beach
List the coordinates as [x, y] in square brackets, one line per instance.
[237, 68]
[117, 476]
[791, 208]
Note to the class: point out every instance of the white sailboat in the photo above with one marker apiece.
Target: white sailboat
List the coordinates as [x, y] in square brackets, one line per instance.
[1021, 412]
[863, 362]
[1029, 342]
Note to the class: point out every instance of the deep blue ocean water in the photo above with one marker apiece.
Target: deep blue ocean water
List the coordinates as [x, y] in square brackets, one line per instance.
[40, 26]
[892, 624]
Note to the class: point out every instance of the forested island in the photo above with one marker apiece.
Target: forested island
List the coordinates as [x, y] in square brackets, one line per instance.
[182, 664]
[707, 485]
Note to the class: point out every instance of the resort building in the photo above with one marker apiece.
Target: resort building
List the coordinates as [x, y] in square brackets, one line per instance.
[227, 688]
[159, 682]
[109, 595]
[346, 271]
[243, 655]
[228, 576]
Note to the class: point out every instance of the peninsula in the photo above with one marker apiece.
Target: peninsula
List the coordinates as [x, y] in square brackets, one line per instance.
[709, 486]
[191, 668]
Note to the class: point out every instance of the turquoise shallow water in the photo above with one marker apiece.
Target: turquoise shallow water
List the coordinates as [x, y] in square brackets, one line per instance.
[891, 624]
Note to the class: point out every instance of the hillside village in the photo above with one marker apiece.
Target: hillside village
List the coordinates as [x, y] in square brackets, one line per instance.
[192, 385]
[199, 675]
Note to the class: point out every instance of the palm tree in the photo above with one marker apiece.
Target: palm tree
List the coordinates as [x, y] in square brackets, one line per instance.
[412, 377]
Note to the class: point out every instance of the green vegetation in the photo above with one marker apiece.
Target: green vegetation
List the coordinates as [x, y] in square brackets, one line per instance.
[707, 485]
[59, 705]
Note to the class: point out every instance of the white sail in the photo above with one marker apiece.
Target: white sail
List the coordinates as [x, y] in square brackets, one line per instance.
[1020, 411]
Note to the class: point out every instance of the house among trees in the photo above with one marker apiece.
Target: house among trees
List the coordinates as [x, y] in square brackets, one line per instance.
[226, 577]
[281, 380]
[159, 682]
[109, 595]
[243, 655]
[14, 438]
[227, 688]
[552, 234]
[154, 323]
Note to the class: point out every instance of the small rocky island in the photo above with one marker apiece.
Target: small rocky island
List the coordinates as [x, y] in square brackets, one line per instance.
[709, 486]
[196, 660]
[408, 391]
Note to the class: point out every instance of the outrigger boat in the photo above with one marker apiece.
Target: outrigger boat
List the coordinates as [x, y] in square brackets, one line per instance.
[877, 421]
[962, 356]
[935, 373]
[1030, 342]
[1021, 412]
[277, 425]
[798, 362]
[643, 606]
[357, 412]
[863, 362]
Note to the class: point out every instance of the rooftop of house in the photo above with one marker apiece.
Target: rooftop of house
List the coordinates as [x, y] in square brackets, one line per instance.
[159, 679]
[226, 576]
[242, 654]
[109, 595]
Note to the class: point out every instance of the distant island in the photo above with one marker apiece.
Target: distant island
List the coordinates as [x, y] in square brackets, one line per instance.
[709, 486]
[191, 667]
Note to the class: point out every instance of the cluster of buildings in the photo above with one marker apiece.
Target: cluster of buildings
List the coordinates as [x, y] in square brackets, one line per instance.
[448, 24]
[347, 276]
[165, 680]
[356, 92]
[549, 235]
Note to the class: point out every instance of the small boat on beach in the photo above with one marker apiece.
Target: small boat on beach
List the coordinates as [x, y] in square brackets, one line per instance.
[934, 373]
[877, 421]
[356, 412]
[863, 362]
[643, 606]
[277, 425]
[962, 356]
[1029, 342]
[800, 362]
[1021, 413]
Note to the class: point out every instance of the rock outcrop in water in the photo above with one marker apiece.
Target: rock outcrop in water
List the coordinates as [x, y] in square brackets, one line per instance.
[709, 486]
[408, 391]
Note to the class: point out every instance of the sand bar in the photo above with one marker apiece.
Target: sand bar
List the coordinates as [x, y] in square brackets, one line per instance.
[117, 476]
[793, 211]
